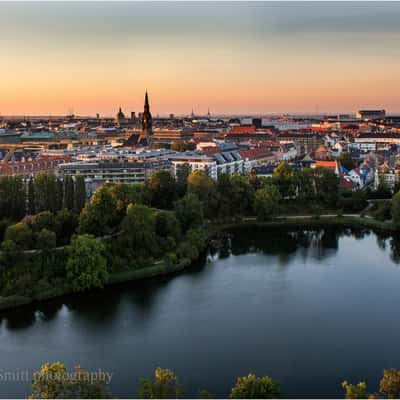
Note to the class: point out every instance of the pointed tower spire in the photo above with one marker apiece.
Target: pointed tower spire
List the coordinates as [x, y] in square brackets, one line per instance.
[147, 120]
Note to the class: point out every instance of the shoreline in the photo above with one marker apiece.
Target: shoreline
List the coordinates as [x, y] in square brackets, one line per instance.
[311, 220]
[159, 269]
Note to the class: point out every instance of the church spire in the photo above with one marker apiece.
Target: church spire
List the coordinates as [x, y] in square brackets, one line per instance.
[147, 120]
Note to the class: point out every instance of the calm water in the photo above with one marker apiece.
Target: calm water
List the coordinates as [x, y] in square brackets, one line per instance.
[309, 308]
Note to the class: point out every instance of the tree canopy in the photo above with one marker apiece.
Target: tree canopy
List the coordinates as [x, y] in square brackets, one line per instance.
[253, 387]
[86, 265]
[165, 386]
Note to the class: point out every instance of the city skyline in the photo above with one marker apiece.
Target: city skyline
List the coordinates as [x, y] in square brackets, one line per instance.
[231, 58]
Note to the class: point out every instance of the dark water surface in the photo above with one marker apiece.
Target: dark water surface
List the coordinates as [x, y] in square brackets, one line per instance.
[308, 307]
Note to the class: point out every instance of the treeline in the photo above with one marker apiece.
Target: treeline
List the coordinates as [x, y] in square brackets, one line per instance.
[229, 196]
[236, 195]
[161, 221]
[115, 234]
[54, 381]
[177, 146]
[44, 192]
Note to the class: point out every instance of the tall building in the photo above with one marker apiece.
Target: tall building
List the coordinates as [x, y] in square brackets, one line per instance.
[368, 115]
[147, 120]
[120, 116]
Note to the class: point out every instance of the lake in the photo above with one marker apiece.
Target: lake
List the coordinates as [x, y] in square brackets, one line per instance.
[308, 307]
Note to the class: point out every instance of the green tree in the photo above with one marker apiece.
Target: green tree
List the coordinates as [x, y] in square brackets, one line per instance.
[167, 230]
[205, 394]
[46, 192]
[183, 146]
[167, 225]
[162, 189]
[21, 234]
[69, 193]
[165, 386]
[139, 231]
[31, 197]
[189, 212]
[99, 217]
[124, 195]
[357, 391]
[195, 243]
[44, 220]
[283, 170]
[304, 181]
[66, 223]
[46, 240]
[382, 191]
[204, 187]
[353, 201]
[346, 161]
[80, 193]
[254, 180]
[326, 184]
[54, 381]
[9, 255]
[266, 202]
[60, 194]
[224, 194]
[390, 383]
[4, 223]
[395, 209]
[86, 265]
[242, 195]
[182, 173]
[284, 178]
[253, 387]
[12, 197]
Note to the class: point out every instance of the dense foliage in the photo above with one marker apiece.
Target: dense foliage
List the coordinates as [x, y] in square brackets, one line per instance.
[253, 387]
[160, 223]
[55, 381]
[164, 386]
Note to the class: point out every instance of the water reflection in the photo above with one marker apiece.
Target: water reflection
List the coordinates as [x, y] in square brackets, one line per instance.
[309, 243]
[291, 319]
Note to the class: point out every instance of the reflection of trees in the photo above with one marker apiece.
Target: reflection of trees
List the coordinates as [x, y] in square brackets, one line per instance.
[20, 318]
[393, 238]
[306, 242]
[285, 242]
[360, 232]
[274, 241]
[49, 310]
[395, 248]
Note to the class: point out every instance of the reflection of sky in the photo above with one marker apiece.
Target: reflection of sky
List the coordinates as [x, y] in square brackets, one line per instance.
[231, 57]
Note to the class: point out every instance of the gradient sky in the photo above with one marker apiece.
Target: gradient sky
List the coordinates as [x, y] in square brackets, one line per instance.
[231, 57]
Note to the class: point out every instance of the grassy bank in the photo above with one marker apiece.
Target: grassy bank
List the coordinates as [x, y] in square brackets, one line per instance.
[321, 221]
[159, 268]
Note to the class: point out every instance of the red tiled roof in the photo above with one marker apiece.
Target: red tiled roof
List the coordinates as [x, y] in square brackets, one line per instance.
[326, 164]
[243, 129]
[253, 154]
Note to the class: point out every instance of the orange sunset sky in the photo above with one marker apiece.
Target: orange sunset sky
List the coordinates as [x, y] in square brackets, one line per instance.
[230, 57]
